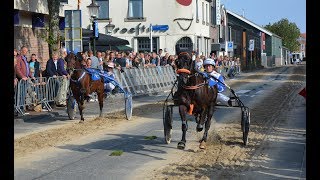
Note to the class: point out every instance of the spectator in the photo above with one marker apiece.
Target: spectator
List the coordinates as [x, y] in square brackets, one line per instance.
[199, 64]
[23, 72]
[34, 66]
[164, 60]
[147, 61]
[22, 68]
[129, 61]
[100, 58]
[15, 53]
[55, 68]
[155, 61]
[109, 87]
[89, 63]
[95, 61]
[160, 53]
[142, 60]
[120, 62]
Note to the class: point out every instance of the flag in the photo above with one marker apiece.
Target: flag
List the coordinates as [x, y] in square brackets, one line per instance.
[303, 92]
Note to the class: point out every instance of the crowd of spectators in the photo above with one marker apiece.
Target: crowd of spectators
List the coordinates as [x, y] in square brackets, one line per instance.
[28, 67]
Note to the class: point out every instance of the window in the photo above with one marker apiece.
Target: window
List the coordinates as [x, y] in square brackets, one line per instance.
[37, 20]
[197, 11]
[213, 15]
[203, 13]
[62, 23]
[104, 9]
[135, 9]
[64, 1]
[184, 44]
[16, 17]
[207, 14]
[144, 44]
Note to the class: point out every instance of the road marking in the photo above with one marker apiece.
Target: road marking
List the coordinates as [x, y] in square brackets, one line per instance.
[260, 92]
[242, 91]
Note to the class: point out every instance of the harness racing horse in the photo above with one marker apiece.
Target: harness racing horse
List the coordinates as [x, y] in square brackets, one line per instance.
[195, 97]
[82, 84]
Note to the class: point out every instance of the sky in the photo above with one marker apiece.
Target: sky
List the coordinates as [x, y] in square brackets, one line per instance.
[263, 12]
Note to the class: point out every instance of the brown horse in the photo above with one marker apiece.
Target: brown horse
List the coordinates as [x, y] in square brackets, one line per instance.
[195, 97]
[81, 83]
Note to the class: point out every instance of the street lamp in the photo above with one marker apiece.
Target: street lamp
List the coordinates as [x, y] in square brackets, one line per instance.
[110, 27]
[93, 12]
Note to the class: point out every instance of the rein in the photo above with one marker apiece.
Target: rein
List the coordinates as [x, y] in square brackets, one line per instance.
[186, 71]
[194, 87]
[79, 79]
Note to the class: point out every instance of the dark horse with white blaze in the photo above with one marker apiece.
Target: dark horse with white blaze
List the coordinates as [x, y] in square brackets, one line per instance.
[82, 84]
[195, 97]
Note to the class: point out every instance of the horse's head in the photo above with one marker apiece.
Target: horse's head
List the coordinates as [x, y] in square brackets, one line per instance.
[183, 61]
[73, 61]
[184, 66]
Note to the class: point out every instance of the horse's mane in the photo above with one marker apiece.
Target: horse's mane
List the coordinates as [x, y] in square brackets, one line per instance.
[77, 60]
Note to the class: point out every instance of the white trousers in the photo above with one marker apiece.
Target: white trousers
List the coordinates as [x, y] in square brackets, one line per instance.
[109, 86]
[223, 99]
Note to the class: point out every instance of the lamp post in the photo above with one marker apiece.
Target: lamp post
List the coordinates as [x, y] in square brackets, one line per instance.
[109, 28]
[93, 12]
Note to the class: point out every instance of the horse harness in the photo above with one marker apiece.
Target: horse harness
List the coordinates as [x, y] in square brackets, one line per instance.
[179, 71]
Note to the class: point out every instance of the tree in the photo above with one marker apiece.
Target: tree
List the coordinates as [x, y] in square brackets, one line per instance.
[53, 36]
[288, 31]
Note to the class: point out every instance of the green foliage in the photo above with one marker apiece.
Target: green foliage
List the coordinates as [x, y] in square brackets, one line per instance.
[53, 32]
[288, 31]
[116, 153]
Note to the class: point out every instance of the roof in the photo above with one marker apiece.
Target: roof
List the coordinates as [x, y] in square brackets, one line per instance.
[251, 23]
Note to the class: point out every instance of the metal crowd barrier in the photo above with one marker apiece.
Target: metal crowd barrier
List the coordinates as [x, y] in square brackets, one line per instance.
[137, 81]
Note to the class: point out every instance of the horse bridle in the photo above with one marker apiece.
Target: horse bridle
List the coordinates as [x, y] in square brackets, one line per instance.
[195, 86]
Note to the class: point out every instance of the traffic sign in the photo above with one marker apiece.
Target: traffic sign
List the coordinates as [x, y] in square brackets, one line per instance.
[160, 27]
[230, 45]
[251, 45]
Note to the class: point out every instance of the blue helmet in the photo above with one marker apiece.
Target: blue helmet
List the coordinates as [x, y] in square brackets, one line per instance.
[209, 61]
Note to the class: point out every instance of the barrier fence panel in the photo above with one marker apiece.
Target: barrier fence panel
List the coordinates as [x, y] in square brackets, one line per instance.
[46, 91]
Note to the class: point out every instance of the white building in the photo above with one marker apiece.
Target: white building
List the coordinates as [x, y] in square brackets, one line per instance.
[187, 24]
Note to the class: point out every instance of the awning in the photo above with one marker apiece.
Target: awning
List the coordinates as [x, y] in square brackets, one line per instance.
[104, 48]
[104, 40]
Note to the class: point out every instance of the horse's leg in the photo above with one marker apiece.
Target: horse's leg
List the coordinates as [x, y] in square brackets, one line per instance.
[200, 123]
[80, 103]
[207, 127]
[100, 99]
[182, 112]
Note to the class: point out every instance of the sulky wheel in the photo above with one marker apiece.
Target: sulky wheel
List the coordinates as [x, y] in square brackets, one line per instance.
[71, 107]
[128, 106]
[245, 124]
[167, 124]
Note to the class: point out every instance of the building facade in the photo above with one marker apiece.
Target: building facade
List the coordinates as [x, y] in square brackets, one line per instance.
[302, 40]
[30, 20]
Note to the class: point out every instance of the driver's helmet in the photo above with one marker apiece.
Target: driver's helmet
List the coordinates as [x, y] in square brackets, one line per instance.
[209, 61]
[110, 64]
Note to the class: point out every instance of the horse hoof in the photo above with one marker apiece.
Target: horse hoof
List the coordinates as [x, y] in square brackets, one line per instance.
[168, 140]
[199, 128]
[202, 145]
[81, 121]
[181, 145]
